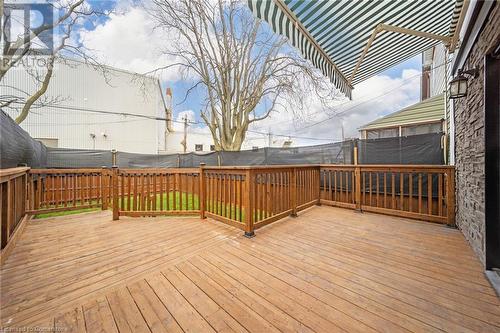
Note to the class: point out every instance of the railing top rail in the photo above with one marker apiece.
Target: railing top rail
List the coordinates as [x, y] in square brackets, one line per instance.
[261, 167]
[391, 166]
[159, 170]
[56, 171]
[6, 174]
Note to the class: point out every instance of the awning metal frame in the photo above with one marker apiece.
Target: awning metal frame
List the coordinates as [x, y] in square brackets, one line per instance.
[281, 4]
[380, 28]
[328, 65]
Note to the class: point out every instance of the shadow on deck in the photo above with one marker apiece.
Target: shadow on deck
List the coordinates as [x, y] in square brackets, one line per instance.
[329, 270]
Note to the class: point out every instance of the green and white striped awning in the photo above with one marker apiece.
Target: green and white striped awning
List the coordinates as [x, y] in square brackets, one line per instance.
[350, 41]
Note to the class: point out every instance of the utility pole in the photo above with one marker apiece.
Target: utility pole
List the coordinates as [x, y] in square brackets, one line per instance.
[269, 138]
[184, 141]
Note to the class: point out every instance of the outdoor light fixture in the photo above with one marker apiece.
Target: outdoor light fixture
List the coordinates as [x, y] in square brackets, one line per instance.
[458, 86]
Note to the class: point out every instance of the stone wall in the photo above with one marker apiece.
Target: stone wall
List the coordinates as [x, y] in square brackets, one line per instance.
[469, 142]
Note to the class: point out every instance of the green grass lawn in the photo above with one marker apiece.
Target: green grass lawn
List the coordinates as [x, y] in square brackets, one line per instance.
[189, 202]
[67, 212]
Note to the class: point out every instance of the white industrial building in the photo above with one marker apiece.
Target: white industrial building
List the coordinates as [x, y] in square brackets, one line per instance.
[86, 109]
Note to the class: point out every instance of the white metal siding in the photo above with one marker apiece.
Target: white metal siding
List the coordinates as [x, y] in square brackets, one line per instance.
[438, 71]
[82, 87]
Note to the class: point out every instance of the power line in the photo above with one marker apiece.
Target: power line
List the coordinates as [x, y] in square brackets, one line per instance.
[252, 131]
[383, 94]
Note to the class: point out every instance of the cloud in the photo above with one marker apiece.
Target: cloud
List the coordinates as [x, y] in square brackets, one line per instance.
[128, 40]
[372, 99]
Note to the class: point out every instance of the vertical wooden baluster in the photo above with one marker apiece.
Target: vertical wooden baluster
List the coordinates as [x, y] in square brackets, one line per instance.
[269, 195]
[129, 192]
[353, 187]
[410, 192]
[363, 188]
[216, 192]
[90, 190]
[223, 194]
[135, 194]
[202, 197]
[161, 175]
[401, 190]
[440, 194]
[193, 187]
[168, 186]
[61, 193]
[174, 191]
[429, 193]
[370, 188]
[420, 193]
[385, 190]
[378, 189]
[393, 190]
[53, 190]
[121, 178]
[238, 190]
[32, 192]
[219, 193]
[74, 178]
[154, 189]
[82, 193]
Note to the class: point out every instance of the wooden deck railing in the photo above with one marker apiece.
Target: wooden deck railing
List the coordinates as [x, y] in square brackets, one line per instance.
[53, 190]
[150, 192]
[245, 197]
[424, 192]
[13, 206]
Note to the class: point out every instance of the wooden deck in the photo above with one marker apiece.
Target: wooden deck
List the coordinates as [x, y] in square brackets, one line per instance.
[328, 270]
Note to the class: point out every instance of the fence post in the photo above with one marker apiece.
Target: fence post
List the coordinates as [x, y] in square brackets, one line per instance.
[293, 193]
[450, 205]
[357, 181]
[114, 181]
[113, 157]
[248, 204]
[201, 198]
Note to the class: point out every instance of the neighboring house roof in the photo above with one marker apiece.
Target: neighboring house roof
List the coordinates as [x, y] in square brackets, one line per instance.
[429, 110]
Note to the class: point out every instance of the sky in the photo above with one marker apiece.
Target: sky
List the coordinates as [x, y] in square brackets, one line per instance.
[127, 40]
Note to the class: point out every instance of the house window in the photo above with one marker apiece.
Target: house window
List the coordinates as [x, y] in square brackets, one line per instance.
[52, 143]
[212, 147]
[198, 147]
[382, 133]
[421, 129]
[255, 148]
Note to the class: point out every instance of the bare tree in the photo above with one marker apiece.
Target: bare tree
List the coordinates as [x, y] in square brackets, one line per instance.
[16, 49]
[245, 70]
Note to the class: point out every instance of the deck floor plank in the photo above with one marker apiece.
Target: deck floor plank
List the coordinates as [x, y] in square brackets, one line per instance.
[329, 270]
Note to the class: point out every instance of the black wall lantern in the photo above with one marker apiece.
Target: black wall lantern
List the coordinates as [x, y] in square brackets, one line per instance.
[458, 86]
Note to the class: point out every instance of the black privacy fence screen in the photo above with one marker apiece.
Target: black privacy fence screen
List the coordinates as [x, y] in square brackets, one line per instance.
[17, 148]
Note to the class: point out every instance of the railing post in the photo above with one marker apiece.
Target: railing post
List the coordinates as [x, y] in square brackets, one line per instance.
[104, 189]
[201, 198]
[114, 181]
[248, 204]
[450, 195]
[357, 181]
[318, 203]
[293, 193]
